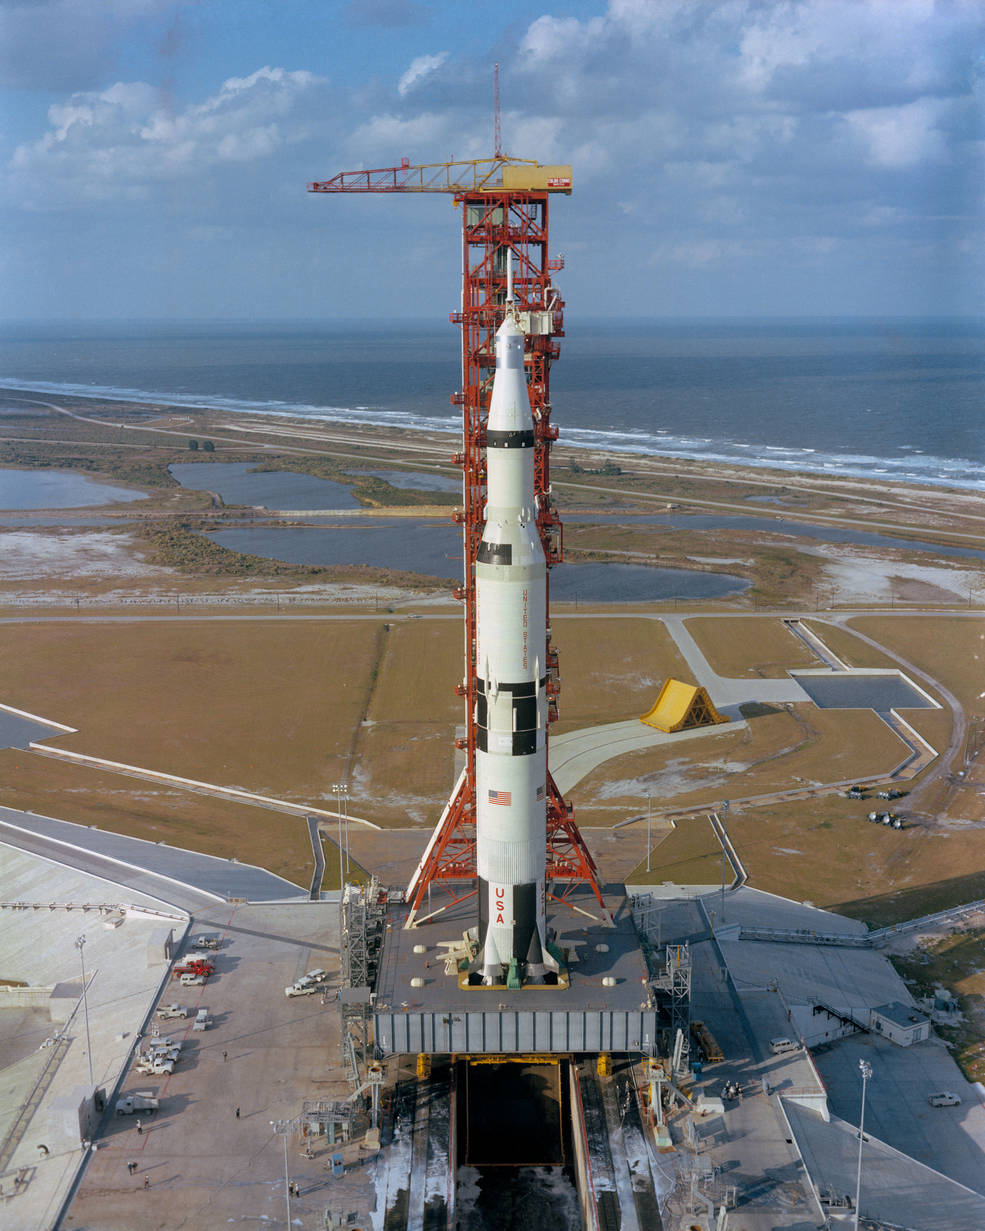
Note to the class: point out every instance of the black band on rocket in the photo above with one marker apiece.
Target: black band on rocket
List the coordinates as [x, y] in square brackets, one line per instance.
[509, 440]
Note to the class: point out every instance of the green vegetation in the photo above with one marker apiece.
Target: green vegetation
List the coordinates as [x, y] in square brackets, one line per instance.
[953, 962]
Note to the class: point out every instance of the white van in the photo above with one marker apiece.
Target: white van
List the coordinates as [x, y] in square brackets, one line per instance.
[777, 1046]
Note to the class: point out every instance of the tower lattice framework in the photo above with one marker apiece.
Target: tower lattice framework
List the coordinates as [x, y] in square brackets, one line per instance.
[494, 223]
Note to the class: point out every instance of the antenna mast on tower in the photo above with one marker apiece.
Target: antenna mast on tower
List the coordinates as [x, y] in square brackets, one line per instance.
[497, 131]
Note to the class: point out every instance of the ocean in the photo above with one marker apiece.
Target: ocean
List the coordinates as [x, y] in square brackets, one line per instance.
[878, 398]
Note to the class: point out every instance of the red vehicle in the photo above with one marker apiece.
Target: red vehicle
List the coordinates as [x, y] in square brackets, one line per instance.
[193, 966]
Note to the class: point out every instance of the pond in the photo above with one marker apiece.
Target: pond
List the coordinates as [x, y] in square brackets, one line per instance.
[58, 489]
[413, 480]
[242, 483]
[434, 548]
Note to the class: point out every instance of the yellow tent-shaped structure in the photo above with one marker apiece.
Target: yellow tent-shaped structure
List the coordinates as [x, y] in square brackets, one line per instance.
[682, 706]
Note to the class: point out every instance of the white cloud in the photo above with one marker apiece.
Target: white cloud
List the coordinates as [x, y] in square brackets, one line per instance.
[125, 139]
[420, 68]
[900, 137]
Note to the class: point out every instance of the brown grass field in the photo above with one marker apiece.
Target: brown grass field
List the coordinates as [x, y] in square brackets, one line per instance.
[612, 670]
[688, 854]
[778, 751]
[829, 854]
[850, 650]
[951, 650]
[740, 648]
[286, 708]
[273, 840]
[263, 706]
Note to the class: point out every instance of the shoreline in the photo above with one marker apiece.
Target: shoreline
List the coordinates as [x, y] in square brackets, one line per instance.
[796, 463]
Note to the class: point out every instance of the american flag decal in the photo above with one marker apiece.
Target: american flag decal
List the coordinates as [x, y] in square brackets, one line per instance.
[540, 792]
[500, 797]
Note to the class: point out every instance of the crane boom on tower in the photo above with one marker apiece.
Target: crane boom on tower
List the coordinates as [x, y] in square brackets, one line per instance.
[498, 174]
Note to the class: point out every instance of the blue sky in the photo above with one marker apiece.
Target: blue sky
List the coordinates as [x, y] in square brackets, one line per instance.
[731, 157]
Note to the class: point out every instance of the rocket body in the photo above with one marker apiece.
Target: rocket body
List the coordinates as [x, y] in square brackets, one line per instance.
[511, 694]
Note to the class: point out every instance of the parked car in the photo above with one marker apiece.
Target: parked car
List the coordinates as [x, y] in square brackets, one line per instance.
[302, 989]
[159, 1066]
[202, 1020]
[189, 980]
[163, 1040]
[208, 941]
[171, 1010]
[194, 965]
[944, 1098]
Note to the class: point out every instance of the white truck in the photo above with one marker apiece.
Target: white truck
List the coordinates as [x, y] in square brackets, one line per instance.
[157, 1066]
[137, 1103]
[209, 941]
[302, 989]
[202, 1020]
[171, 1010]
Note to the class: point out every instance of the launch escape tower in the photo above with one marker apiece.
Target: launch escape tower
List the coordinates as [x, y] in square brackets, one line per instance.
[504, 203]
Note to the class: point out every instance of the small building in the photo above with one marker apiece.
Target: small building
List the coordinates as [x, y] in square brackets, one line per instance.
[900, 1023]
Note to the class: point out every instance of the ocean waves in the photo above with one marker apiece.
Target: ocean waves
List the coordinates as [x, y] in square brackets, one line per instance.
[905, 463]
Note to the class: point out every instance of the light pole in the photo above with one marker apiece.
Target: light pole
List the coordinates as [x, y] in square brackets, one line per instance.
[340, 789]
[724, 834]
[345, 809]
[649, 819]
[866, 1070]
[282, 1128]
[80, 945]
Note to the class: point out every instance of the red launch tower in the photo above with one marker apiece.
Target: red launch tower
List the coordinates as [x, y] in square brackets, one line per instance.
[504, 203]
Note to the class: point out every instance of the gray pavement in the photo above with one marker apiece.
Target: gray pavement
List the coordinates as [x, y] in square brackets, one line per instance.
[19, 730]
[748, 992]
[949, 1139]
[204, 1164]
[895, 1187]
[39, 949]
[574, 755]
[152, 867]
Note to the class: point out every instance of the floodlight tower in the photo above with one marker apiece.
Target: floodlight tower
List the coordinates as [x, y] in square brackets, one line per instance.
[504, 208]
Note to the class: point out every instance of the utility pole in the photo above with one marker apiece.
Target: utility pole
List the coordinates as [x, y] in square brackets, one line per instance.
[80, 945]
[724, 837]
[866, 1070]
[339, 788]
[649, 820]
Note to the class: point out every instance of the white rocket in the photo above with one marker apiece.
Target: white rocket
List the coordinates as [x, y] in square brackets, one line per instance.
[511, 688]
